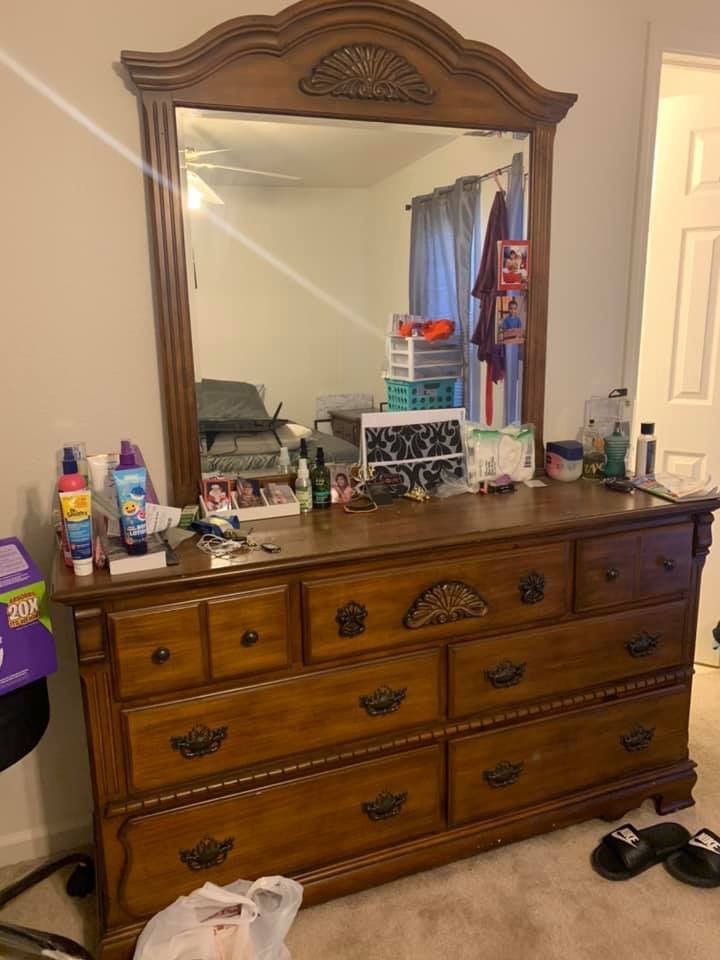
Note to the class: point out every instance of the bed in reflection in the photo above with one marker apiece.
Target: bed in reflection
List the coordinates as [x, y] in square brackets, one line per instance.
[238, 435]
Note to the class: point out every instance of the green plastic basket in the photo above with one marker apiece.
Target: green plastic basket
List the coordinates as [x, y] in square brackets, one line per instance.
[419, 394]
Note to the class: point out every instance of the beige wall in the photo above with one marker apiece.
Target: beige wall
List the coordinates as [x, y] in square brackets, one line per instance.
[305, 298]
[79, 353]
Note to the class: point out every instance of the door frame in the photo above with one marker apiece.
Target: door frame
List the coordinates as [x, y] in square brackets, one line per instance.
[668, 43]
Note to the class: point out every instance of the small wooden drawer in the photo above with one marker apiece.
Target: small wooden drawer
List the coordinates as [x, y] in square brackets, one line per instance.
[487, 675]
[201, 737]
[665, 561]
[496, 772]
[349, 615]
[606, 571]
[633, 566]
[249, 632]
[157, 650]
[283, 829]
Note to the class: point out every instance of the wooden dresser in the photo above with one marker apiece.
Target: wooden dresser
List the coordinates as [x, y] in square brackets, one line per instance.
[390, 692]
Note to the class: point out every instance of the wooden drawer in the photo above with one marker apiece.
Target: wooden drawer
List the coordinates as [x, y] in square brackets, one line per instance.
[249, 632]
[283, 829]
[180, 741]
[500, 771]
[487, 675]
[157, 649]
[633, 566]
[665, 561]
[356, 614]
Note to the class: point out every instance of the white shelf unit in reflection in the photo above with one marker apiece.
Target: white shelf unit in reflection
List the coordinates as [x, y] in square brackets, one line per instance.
[414, 358]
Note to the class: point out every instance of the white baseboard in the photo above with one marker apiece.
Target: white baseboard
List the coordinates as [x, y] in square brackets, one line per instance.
[44, 841]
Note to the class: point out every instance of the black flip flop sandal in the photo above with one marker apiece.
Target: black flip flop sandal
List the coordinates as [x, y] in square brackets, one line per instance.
[627, 852]
[698, 863]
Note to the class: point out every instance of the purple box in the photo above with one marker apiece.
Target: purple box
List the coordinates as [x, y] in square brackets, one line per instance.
[27, 648]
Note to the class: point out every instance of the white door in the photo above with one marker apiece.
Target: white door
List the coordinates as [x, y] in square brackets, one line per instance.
[679, 376]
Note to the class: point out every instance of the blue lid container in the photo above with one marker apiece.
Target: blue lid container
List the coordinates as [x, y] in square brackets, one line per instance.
[567, 449]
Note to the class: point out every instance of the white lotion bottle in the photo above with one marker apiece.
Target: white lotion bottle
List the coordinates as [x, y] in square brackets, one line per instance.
[645, 451]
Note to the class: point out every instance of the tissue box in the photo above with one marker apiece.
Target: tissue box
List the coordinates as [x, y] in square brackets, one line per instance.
[27, 648]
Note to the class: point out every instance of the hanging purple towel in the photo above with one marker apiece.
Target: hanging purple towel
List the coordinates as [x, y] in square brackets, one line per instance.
[485, 289]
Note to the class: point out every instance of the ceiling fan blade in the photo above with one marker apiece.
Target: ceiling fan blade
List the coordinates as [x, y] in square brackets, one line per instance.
[257, 173]
[205, 191]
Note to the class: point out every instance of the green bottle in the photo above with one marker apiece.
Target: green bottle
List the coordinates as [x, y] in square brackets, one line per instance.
[616, 446]
[320, 480]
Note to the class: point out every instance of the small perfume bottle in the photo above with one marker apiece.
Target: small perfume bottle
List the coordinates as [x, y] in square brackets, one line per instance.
[616, 446]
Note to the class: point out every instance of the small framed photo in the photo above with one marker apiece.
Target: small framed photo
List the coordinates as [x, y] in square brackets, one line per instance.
[340, 487]
[247, 493]
[216, 494]
[513, 264]
[279, 493]
[510, 317]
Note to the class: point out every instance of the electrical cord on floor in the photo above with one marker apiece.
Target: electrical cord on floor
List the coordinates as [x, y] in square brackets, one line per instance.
[39, 943]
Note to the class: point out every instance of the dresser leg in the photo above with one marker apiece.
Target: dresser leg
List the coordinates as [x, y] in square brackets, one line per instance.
[675, 796]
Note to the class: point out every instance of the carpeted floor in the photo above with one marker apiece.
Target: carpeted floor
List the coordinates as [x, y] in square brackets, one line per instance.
[538, 899]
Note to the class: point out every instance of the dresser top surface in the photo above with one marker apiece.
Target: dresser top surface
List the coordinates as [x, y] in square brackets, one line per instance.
[323, 537]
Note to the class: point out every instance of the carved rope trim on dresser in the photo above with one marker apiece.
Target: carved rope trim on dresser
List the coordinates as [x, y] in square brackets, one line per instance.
[521, 713]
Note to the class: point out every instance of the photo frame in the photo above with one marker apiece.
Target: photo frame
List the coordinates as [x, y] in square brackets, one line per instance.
[513, 268]
[510, 319]
[340, 486]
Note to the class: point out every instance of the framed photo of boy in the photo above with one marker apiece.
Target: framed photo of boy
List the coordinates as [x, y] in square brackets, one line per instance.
[513, 264]
[510, 314]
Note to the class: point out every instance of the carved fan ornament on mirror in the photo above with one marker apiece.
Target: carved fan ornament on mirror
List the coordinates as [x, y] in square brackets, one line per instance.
[361, 71]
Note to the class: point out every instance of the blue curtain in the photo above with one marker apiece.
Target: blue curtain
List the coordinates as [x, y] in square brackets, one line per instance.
[514, 352]
[444, 258]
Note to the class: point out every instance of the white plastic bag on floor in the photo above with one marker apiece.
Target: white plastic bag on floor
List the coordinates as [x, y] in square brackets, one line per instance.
[242, 921]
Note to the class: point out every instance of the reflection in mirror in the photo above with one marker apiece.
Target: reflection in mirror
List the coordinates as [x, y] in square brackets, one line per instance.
[335, 265]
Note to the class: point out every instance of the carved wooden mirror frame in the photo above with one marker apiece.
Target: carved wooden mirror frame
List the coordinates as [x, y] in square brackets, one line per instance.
[382, 60]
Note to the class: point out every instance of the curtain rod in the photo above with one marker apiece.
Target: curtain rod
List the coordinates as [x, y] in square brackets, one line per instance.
[484, 176]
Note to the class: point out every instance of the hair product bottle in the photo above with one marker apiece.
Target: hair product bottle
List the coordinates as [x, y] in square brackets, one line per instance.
[645, 451]
[303, 487]
[320, 480]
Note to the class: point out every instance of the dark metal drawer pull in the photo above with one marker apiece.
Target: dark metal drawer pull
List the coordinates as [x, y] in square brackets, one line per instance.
[445, 602]
[532, 588]
[669, 564]
[383, 700]
[638, 739]
[207, 853]
[161, 655]
[505, 674]
[504, 774]
[199, 742]
[384, 806]
[351, 619]
[250, 638]
[612, 574]
[642, 644]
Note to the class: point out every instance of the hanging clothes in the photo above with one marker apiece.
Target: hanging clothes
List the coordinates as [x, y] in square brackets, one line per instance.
[514, 351]
[485, 288]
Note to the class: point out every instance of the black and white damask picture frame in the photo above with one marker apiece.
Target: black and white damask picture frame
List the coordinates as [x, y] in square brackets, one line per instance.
[414, 448]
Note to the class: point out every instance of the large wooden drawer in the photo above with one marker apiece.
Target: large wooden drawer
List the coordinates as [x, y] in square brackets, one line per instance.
[498, 672]
[626, 567]
[194, 738]
[283, 829]
[345, 616]
[496, 772]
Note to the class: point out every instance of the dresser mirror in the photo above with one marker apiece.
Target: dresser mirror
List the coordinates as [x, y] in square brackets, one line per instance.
[322, 180]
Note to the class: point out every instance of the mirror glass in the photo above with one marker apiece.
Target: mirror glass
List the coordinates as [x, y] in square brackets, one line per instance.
[338, 266]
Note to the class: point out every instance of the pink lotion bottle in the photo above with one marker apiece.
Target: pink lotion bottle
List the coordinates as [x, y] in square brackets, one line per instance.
[70, 479]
